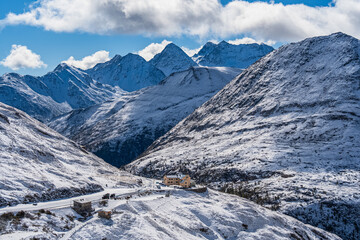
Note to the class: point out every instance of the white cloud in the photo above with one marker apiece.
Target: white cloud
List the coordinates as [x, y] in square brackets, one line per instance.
[151, 50]
[22, 57]
[89, 61]
[201, 18]
[247, 40]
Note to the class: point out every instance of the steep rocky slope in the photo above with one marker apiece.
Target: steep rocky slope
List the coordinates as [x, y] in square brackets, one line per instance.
[120, 130]
[37, 163]
[231, 55]
[284, 133]
[130, 72]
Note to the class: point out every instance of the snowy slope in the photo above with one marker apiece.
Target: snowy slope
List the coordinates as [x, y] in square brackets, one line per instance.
[37, 163]
[151, 215]
[285, 133]
[130, 72]
[172, 59]
[230, 55]
[186, 215]
[53, 94]
[120, 130]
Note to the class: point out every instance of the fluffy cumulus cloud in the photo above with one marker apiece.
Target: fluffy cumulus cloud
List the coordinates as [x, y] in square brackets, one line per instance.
[201, 18]
[22, 57]
[151, 50]
[89, 61]
[247, 40]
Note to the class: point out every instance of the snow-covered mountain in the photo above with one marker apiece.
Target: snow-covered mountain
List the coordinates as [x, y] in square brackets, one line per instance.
[120, 130]
[130, 72]
[284, 133]
[172, 59]
[15, 92]
[53, 94]
[74, 86]
[37, 163]
[230, 55]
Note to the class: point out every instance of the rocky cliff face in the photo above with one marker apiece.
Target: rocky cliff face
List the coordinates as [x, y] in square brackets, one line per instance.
[285, 133]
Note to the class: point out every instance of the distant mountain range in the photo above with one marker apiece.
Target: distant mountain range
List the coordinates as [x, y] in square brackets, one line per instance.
[284, 133]
[68, 88]
[55, 93]
[119, 131]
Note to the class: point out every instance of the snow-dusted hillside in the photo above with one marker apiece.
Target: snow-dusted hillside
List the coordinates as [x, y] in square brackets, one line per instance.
[172, 59]
[15, 92]
[230, 55]
[130, 72]
[53, 94]
[152, 215]
[285, 133]
[120, 130]
[37, 163]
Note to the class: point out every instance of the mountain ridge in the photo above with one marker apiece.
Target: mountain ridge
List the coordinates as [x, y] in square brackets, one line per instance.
[288, 125]
[53, 94]
[230, 55]
[130, 72]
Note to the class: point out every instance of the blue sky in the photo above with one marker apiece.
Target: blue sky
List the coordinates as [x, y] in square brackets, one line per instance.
[55, 46]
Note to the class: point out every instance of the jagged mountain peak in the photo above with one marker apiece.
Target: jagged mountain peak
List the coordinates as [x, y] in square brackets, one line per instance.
[62, 66]
[172, 59]
[172, 50]
[133, 57]
[224, 43]
[67, 72]
[172, 47]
